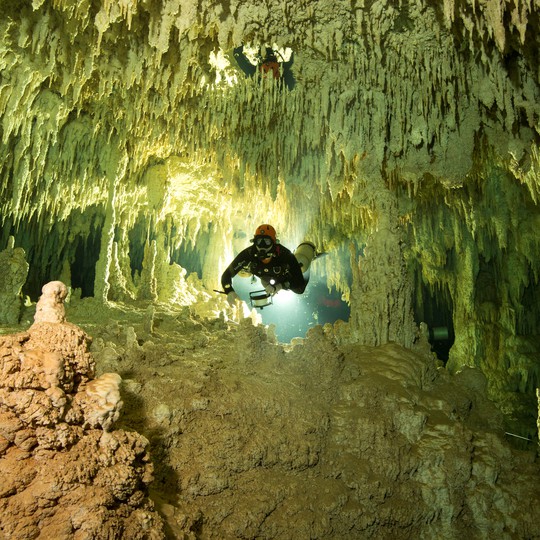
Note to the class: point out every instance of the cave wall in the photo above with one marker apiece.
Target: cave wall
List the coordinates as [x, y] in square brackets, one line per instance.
[408, 147]
[487, 270]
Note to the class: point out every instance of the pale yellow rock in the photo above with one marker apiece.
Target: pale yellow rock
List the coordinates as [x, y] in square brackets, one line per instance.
[50, 307]
[102, 408]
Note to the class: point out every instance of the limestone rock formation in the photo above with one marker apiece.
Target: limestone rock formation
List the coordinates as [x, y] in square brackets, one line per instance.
[135, 153]
[50, 307]
[64, 472]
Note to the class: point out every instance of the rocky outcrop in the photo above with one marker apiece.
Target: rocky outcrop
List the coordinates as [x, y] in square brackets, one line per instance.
[64, 471]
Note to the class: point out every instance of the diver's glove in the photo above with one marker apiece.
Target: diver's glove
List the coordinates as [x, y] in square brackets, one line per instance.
[232, 297]
[273, 289]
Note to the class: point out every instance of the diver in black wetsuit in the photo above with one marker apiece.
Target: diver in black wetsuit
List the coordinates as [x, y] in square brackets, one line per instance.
[267, 64]
[276, 266]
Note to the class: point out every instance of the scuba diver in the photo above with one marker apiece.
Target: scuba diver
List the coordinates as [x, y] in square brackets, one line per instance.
[276, 266]
[267, 64]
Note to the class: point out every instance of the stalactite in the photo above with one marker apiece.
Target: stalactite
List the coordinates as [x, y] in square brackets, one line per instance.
[489, 228]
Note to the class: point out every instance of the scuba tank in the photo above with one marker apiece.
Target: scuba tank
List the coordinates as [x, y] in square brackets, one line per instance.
[305, 253]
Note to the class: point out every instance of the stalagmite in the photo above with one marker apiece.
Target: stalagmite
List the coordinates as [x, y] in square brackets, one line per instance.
[64, 471]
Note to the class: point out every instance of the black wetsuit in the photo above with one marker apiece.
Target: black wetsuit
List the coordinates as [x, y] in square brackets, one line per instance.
[283, 268]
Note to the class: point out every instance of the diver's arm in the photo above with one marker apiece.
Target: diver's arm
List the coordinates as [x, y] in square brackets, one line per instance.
[240, 261]
[287, 76]
[296, 282]
[243, 63]
[289, 62]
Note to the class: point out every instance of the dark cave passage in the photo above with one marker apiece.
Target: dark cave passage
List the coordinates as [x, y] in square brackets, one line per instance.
[435, 309]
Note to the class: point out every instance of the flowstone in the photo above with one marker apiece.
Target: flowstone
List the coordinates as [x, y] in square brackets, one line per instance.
[319, 439]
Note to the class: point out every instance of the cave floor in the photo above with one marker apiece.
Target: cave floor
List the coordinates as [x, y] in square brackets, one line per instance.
[251, 438]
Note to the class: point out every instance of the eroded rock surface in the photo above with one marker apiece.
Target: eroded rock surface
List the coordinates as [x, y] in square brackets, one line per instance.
[318, 439]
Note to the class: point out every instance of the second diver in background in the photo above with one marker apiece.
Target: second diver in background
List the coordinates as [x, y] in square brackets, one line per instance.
[267, 65]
